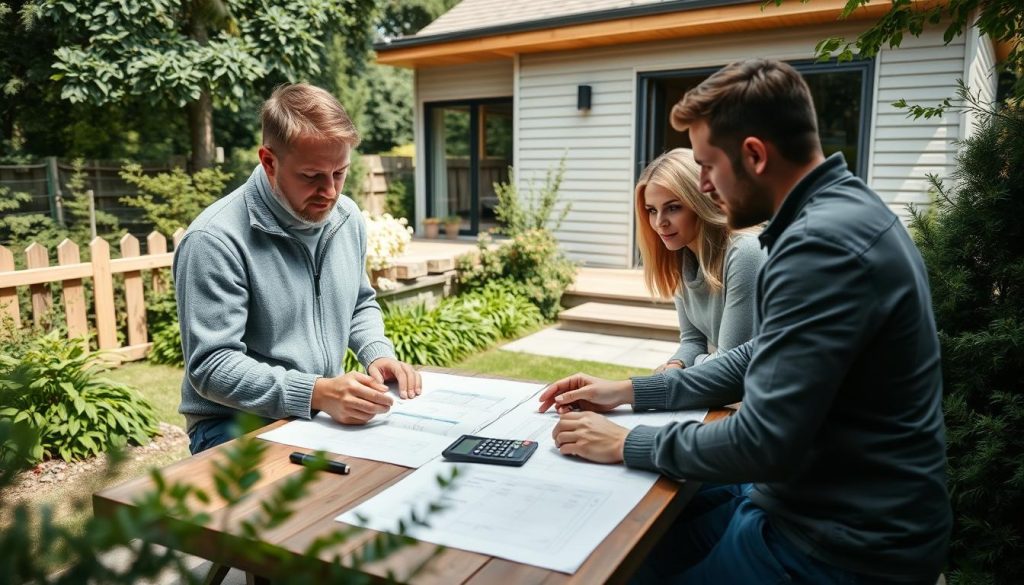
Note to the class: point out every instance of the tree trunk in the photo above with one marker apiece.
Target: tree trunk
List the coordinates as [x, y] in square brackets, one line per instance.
[200, 112]
[200, 126]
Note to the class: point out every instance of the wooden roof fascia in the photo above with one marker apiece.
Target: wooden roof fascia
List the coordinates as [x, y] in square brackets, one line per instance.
[701, 22]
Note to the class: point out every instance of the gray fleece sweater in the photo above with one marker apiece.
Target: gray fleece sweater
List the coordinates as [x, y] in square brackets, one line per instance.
[722, 318]
[262, 317]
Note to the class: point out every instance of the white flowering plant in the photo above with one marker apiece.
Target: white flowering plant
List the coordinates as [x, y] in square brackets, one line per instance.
[386, 239]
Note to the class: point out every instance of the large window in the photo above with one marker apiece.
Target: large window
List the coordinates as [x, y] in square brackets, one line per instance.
[842, 99]
[469, 149]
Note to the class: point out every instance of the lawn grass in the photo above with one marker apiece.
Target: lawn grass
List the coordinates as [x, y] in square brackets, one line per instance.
[536, 368]
[161, 385]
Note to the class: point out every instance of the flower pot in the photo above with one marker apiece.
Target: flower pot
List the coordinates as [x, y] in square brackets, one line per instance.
[431, 229]
[452, 230]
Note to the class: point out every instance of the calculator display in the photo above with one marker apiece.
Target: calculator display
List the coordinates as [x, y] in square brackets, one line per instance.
[466, 446]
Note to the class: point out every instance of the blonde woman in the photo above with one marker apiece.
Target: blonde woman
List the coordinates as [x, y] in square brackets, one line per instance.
[690, 254]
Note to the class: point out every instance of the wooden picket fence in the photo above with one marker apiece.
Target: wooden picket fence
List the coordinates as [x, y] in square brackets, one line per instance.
[71, 272]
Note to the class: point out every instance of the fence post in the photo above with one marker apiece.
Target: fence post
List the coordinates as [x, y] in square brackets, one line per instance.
[156, 243]
[92, 214]
[9, 296]
[36, 256]
[74, 294]
[135, 298]
[53, 188]
[103, 293]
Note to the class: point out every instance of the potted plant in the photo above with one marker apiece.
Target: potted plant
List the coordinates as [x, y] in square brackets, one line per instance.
[452, 223]
[386, 239]
[431, 226]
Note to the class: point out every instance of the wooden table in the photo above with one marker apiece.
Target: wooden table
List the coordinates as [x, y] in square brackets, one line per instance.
[614, 560]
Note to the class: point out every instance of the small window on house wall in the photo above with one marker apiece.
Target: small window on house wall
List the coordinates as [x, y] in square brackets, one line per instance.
[469, 149]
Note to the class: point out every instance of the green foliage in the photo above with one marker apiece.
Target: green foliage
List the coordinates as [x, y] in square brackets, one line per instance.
[55, 387]
[399, 201]
[164, 329]
[172, 200]
[456, 327]
[520, 213]
[30, 540]
[999, 21]
[20, 230]
[531, 264]
[972, 240]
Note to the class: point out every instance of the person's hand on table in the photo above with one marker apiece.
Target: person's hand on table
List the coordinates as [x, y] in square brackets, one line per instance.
[583, 392]
[590, 436]
[669, 365]
[352, 399]
[410, 383]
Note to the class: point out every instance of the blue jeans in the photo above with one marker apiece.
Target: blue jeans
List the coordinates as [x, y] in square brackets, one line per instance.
[211, 432]
[722, 537]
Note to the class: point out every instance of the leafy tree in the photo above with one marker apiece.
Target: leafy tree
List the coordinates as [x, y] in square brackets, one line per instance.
[192, 55]
[973, 243]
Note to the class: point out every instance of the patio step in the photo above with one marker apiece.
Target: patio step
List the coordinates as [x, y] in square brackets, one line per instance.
[611, 285]
[650, 322]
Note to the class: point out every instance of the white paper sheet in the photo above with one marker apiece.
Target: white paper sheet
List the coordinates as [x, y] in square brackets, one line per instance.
[416, 430]
[552, 512]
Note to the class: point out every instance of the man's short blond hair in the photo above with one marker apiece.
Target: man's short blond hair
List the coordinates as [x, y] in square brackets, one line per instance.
[764, 98]
[303, 110]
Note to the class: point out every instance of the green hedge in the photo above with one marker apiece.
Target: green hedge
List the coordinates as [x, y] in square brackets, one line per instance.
[457, 326]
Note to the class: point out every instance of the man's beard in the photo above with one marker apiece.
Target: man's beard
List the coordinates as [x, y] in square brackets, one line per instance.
[748, 208]
[306, 220]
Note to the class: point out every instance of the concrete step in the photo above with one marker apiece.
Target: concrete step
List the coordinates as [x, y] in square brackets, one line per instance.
[618, 319]
[613, 285]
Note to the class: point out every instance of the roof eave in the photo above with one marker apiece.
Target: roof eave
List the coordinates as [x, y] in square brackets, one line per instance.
[714, 17]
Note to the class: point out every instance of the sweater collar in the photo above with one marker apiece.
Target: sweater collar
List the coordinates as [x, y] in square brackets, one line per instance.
[268, 214]
[833, 168]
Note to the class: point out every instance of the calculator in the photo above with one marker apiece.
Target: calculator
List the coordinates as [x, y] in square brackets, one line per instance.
[470, 449]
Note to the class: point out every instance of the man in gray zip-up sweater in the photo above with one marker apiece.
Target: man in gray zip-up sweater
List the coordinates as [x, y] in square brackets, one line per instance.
[841, 427]
[272, 288]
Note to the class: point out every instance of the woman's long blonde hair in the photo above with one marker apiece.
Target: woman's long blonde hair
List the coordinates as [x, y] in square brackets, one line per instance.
[680, 174]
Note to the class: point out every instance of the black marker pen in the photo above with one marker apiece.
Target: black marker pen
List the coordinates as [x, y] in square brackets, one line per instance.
[332, 466]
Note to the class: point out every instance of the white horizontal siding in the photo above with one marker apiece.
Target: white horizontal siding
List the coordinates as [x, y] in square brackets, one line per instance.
[460, 82]
[904, 151]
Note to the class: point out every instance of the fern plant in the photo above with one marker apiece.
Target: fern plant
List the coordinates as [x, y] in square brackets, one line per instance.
[55, 387]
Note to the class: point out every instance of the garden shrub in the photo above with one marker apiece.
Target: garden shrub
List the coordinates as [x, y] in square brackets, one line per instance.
[972, 240]
[164, 330]
[457, 327]
[172, 200]
[54, 386]
[531, 264]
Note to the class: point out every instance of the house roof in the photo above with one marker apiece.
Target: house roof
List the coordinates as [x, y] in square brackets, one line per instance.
[476, 14]
[481, 30]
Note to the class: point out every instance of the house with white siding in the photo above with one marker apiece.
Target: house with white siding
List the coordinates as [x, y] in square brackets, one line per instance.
[524, 83]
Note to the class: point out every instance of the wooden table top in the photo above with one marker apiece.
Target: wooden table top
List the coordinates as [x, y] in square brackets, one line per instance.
[614, 560]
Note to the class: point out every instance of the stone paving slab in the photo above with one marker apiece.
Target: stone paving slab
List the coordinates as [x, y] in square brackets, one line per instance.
[596, 347]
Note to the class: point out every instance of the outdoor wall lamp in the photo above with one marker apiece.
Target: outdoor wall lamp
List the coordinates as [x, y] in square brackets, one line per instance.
[583, 97]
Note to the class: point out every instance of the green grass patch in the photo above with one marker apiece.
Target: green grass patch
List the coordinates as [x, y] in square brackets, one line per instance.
[160, 384]
[523, 366]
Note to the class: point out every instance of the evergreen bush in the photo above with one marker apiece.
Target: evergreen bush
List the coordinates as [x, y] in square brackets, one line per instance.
[172, 200]
[53, 384]
[972, 239]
